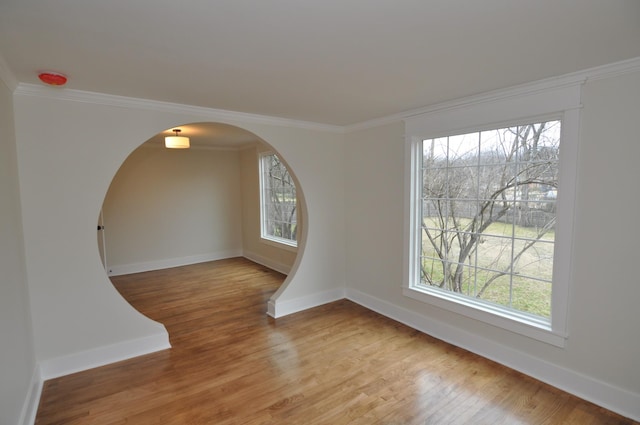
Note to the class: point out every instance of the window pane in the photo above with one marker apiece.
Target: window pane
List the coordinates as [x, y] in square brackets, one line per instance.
[534, 220]
[494, 253]
[498, 228]
[534, 259]
[496, 182]
[462, 279]
[463, 150]
[462, 183]
[493, 215]
[497, 147]
[464, 211]
[434, 183]
[532, 296]
[496, 288]
[434, 152]
[431, 271]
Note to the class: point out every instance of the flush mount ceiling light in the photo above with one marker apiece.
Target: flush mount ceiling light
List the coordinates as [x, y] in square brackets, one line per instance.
[53, 78]
[177, 141]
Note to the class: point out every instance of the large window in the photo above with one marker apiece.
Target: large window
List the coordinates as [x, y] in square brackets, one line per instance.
[488, 215]
[278, 201]
[490, 209]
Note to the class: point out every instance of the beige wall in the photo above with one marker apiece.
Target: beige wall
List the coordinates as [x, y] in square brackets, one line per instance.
[173, 207]
[17, 366]
[603, 347]
[605, 289]
[79, 319]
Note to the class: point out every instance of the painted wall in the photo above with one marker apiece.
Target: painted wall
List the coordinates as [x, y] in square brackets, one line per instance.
[316, 158]
[17, 365]
[254, 247]
[173, 207]
[604, 314]
[70, 146]
[604, 343]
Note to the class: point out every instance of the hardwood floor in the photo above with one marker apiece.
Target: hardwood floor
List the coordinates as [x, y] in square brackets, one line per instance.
[336, 364]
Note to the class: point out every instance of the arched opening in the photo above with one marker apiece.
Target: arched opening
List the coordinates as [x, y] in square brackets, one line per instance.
[172, 207]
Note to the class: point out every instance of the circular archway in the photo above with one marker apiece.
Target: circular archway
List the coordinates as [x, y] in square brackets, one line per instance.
[171, 207]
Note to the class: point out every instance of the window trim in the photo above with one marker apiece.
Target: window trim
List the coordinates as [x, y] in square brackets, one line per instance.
[278, 242]
[510, 107]
[275, 241]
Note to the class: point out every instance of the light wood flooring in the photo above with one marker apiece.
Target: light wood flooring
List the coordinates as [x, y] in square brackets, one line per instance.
[335, 364]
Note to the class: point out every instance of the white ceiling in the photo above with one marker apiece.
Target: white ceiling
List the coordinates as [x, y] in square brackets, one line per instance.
[337, 62]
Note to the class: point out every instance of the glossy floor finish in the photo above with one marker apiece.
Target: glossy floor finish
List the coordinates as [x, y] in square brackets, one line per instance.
[336, 364]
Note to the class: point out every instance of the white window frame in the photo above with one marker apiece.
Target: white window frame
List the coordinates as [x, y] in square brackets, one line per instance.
[506, 108]
[288, 244]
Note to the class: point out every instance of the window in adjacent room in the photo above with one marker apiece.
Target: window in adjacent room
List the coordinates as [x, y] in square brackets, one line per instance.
[278, 202]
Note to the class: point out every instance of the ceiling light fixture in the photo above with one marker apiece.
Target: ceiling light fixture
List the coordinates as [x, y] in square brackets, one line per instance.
[177, 141]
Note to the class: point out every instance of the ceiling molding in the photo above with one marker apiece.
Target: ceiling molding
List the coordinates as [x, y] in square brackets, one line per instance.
[208, 114]
[7, 76]
[591, 74]
[612, 70]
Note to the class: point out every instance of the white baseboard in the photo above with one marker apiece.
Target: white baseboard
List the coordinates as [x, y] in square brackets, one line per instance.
[32, 400]
[101, 356]
[117, 270]
[621, 401]
[267, 262]
[277, 308]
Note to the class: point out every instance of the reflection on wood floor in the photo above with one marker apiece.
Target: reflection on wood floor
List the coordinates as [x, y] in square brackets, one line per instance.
[336, 364]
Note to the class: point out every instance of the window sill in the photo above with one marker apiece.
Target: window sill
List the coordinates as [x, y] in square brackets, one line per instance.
[280, 243]
[531, 327]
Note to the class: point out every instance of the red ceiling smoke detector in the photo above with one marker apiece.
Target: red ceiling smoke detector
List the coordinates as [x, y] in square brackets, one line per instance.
[53, 78]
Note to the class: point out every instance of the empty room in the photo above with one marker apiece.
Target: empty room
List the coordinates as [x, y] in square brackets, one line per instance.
[368, 212]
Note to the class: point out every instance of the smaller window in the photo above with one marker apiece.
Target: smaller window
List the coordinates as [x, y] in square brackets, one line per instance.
[278, 201]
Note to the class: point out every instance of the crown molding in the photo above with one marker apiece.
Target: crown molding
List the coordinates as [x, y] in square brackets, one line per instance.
[612, 70]
[580, 77]
[209, 114]
[7, 76]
